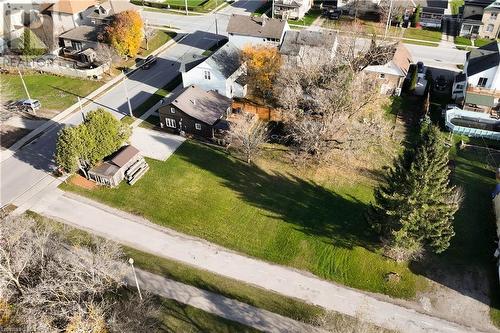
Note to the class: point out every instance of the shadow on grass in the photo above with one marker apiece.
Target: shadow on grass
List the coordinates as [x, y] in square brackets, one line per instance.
[311, 208]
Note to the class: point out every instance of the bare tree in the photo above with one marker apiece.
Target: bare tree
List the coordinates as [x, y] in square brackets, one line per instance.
[54, 286]
[246, 135]
[326, 104]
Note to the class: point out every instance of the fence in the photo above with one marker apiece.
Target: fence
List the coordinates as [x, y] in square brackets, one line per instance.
[263, 112]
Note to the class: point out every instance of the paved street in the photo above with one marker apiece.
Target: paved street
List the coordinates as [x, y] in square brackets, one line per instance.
[139, 233]
[34, 162]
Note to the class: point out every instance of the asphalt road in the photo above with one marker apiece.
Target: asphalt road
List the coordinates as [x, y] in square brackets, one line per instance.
[34, 162]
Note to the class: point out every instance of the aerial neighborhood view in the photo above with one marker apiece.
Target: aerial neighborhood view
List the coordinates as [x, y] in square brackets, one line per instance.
[250, 166]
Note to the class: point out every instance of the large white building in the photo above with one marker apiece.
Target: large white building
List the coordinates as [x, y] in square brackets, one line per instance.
[252, 30]
[222, 72]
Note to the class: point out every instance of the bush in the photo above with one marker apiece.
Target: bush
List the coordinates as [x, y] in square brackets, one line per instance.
[415, 19]
[460, 40]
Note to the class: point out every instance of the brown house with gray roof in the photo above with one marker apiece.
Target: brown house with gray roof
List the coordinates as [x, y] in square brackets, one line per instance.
[253, 30]
[196, 112]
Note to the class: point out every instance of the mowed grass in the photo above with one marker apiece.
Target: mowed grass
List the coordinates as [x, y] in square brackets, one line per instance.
[270, 215]
[160, 38]
[423, 34]
[190, 3]
[308, 18]
[54, 92]
[418, 42]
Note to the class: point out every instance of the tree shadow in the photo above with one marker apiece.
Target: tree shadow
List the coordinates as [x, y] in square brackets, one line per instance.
[308, 206]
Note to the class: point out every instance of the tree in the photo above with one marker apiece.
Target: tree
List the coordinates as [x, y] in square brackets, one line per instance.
[55, 287]
[415, 206]
[84, 145]
[125, 33]
[29, 44]
[263, 65]
[326, 104]
[246, 135]
[415, 18]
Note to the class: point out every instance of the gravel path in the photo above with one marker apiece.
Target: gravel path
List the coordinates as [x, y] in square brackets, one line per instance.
[139, 233]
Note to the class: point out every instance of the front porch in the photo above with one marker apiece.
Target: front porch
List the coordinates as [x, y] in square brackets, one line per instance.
[470, 28]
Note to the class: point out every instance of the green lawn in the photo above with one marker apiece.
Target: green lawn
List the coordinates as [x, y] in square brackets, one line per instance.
[308, 19]
[160, 37]
[54, 92]
[459, 40]
[190, 3]
[482, 42]
[274, 216]
[423, 34]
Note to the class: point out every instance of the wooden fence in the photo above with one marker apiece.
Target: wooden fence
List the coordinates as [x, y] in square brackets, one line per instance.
[263, 112]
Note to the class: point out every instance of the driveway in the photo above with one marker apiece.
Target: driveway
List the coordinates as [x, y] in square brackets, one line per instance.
[155, 144]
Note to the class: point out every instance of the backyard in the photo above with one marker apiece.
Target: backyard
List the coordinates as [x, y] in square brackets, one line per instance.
[276, 216]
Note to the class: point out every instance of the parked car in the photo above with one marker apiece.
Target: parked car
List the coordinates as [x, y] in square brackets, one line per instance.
[30, 105]
[441, 83]
[149, 61]
[335, 15]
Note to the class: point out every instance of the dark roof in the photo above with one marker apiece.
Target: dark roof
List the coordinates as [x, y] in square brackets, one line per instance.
[226, 60]
[431, 3]
[481, 3]
[206, 106]
[123, 155]
[294, 40]
[82, 33]
[461, 77]
[105, 169]
[255, 26]
[433, 10]
[482, 58]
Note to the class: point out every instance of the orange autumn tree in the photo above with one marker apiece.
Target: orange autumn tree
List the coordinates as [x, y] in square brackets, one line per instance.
[263, 64]
[125, 33]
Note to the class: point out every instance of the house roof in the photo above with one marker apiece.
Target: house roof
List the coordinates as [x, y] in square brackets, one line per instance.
[255, 26]
[495, 5]
[433, 10]
[123, 155]
[105, 169]
[398, 65]
[483, 58]
[430, 3]
[226, 60]
[82, 33]
[205, 106]
[71, 6]
[112, 7]
[295, 40]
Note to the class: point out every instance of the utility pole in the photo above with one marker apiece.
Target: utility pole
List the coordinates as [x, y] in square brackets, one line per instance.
[216, 28]
[272, 9]
[389, 18]
[131, 262]
[186, 4]
[24, 84]
[81, 109]
[126, 94]
[146, 33]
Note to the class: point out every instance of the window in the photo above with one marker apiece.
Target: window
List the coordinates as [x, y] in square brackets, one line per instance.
[382, 76]
[206, 74]
[490, 27]
[197, 126]
[493, 16]
[482, 82]
[172, 110]
[170, 122]
[460, 86]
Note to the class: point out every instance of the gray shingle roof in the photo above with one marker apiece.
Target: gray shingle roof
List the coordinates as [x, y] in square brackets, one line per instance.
[226, 60]
[483, 58]
[295, 40]
[206, 106]
[82, 33]
[256, 26]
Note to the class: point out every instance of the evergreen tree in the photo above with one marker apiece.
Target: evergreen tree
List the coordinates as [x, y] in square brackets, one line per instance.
[415, 207]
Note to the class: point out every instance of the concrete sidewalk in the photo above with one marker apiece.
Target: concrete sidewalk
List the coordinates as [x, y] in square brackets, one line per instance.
[137, 232]
[218, 305]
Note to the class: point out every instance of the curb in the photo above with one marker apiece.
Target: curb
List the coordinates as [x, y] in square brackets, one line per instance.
[54, 121]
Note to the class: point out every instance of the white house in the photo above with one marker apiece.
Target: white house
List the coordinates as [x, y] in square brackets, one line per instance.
[292, 9]
[252, 30]
[222, 72]
[67, 14]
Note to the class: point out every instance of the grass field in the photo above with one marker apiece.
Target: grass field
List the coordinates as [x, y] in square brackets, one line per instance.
[308, 18]
[54, 92]
[463, 41]
[190, 3]
[482, 42]
[160, 37]
[423, 34]
[274, 216]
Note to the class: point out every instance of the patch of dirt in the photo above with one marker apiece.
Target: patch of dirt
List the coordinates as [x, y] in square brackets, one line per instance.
[10, 135]
[82, 182]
